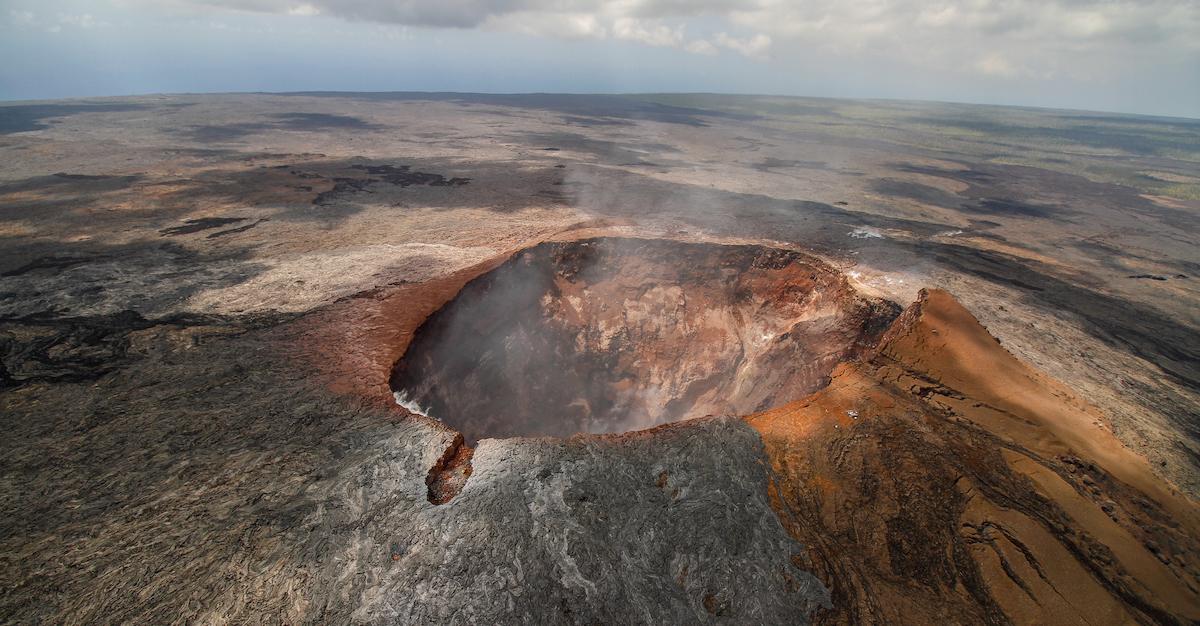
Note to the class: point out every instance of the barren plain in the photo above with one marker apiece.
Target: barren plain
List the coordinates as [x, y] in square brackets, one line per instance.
[661, 358]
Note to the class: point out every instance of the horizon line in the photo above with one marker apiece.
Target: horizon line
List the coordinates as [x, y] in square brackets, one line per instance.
[6, 101]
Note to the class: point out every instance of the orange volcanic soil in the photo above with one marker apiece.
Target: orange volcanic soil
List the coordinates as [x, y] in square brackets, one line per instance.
[935, 479]
[941, 480]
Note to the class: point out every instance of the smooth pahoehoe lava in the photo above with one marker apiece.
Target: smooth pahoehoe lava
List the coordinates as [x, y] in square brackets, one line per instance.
[611, 335]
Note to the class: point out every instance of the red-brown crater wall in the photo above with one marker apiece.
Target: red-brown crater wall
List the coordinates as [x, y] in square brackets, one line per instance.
[611, 335]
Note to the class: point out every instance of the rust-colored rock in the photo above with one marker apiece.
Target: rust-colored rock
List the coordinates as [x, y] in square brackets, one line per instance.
[942, 481]
[611, 335]
[934, 479]
[447, 477]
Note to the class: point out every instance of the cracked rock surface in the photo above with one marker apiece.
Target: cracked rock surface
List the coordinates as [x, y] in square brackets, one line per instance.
[202, 299]
[238, 509]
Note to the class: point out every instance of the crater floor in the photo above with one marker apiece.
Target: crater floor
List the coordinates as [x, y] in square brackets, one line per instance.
[614, 334]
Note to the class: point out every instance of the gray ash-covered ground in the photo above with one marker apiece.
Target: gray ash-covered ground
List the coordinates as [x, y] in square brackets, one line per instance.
[175, 452]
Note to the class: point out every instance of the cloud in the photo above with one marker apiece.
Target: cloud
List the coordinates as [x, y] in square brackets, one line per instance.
[652, 35]
[436, 13]
[21, 18]
[755, 47]
[560, 25]
[1024, 37]
[84, 20]
[996, 65]
[305, 10]
[700, 46]
[25, 18]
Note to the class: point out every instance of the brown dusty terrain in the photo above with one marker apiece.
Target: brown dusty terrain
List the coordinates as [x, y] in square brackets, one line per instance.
[935, 479]
[208, 302]
[941, 480]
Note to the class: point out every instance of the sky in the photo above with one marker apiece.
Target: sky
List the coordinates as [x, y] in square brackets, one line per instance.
[1131, 56]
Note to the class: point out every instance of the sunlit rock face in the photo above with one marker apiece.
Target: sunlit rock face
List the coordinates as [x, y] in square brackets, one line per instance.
[612, 335]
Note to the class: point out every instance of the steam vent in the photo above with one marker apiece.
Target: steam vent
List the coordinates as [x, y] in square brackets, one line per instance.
[612, 335]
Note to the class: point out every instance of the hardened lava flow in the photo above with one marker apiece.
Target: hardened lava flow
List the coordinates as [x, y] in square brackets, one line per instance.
[611, 335]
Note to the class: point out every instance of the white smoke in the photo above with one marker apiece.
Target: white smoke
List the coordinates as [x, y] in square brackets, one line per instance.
[411, 405]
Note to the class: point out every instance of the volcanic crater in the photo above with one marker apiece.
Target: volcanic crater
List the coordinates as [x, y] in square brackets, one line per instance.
[609, 335]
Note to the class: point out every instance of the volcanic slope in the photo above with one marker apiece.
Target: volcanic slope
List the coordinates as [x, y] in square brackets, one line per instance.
[940, 480]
